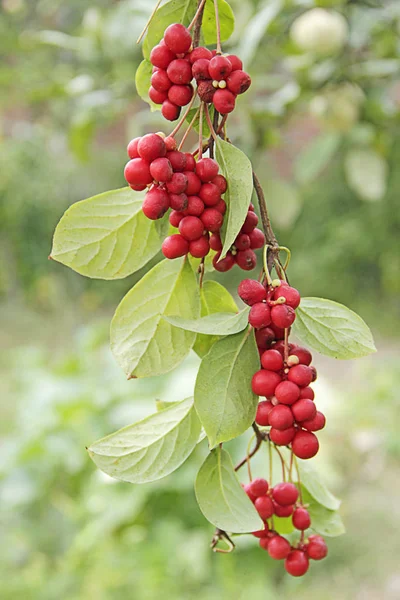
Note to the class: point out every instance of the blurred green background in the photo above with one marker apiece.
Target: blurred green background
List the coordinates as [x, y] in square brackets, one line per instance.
[323, 132]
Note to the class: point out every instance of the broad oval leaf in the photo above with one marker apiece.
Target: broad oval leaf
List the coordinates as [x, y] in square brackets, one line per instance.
[215, 324]
[332, 329]
[221, 498]
[226, 18]
[143, 343]
[223, 397]
[311, 480]
[152, 448]
[366, 173]
[214, 298]
[175, 11]
[142, 82]
[237, 169]
[107, 236]
[324, 521]
[316, 157]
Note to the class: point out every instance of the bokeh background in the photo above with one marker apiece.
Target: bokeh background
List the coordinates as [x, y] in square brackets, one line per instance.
[323, 132]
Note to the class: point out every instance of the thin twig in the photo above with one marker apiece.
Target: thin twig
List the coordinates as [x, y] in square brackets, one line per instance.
[188, 130]
[197, 25]
[201, 131]
[200, 8]
[183, 118]
[218, 26]
[148, 22]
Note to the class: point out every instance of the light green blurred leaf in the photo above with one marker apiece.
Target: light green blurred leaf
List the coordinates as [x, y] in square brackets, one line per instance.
[283, 200]
[324, 521]
[215, 324]
[226, 18]
[142, 82]
[366, 173]
[311, 479]
[311, 161]
[256, 29]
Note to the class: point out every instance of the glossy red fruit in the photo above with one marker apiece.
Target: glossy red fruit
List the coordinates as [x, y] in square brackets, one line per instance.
[206, 91]
[278, 547]
[180, 94]
[170, 143]
[158, 97]
[282, 316]
[281, 417]
[307, 392]
[178, 160]
[316, 547]
[291, 295]
[225, 264]
[264, 383]
[169, 110]
[279, 333]
[247, 489]
[315, 424]
[220, 68]
[259, 487]
[264, 507]
[174, 246]
[191, 228]
[301, 519]
[296, 563]
[160, 81]
[257, 239]
[155, 203]
[221, 207]
[263, 410]
[264, 337]
[304, 355]
[282, 438]
[235, 62]
[178, 202]
[193, 183]
[200, 69]
[200, 52]
[301, 375]
[175, 218]
[251, 292]
[246, 259]
[199, 248]
[221, 183]
[137, 172]
[132, 148]
[161, 56]
[242, 242]
[265, 541]
[304, 410]
[137, 188]
[177, 38]
[238, 82]
[283, 511]
[224, 101]
[161, 170]
[305, 444]
[287, 392]
[210, 194]
[250, 222]
[261, 533]
[285, 494]
[195, 206]
[212, 220]
[178, 183]
[215, 242]
[190, 162]
[272, 360]
[179, 71]
[207, 169]
[260, 315]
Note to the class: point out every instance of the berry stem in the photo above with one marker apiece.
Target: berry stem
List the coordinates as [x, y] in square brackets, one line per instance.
[215, 126]
[183, 118]
[222, 535]
[286, 346]
[253, 437]
[209, 123]
[188, 130]
[218, 26]
[148, 22]
[260, 437]
[266, 267]
[201, 271]
[197, 16]
[296, 464]
[201, 130]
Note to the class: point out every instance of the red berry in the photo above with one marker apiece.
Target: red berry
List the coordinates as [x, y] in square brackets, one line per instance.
[316, 547]
[200, 52]
[235, 62]
[161, 56]
[257, 239]
[251, 292]
[200, 69]
[212, 220]
[224, 101]
[296, 563]
[179, 71]
[219, 68]
[291, 295]
[215, 242]
[170, 143]
[283, 511]
[279, 333]
[278, 547]
[265, 541]
[304, 355]
[190, 162]
[193, 183]
[282, 316]
[207, 169]
[210, 194]
[263, 410]
[285, 494]
[261, 533]
[132, 148]
[191, 228]
[272, 360]
[242, 242]
[246, 260]
[221, 183]
[299, 374]
[221, 207]
[137, 172]
[177, 159]
[259, 315]
[180, 94]
[250, 222]
[264, 337]
[315, 424]
[160, 81]
[307, 392]
[281, 417]
[178, 183]
[238, 82]
[137, 188]
[206, 91]
[177, 38]
[264, 507]
[155, 203]
[314, 373]
[287, 392]
[175, 218]
[305, 444]
[174, 246]
[161, 170]
[225, 264]
[195, 206]
[199, 248]
[301, 519]
[169, 110]
[247, 489]
[282, 438]
[158, 98]
[178, 201]
[304, 410]
[265, 382]
[259, 487]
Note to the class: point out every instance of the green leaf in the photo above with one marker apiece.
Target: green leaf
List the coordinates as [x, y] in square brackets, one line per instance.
[162, 405]
[283, 525]
[332, 329]
[221, 498]
[366, 173]
[223, 397]
[324, 521]
[215, 324]
[107, 236]
[237, 169]
[152, 448]
[316, 157]
[310, 478]
[175, 11]
[283, 200]
[256, 29]
[206, 130]
[142, 82]
[143, 343]
[214, 298]
[226, 18]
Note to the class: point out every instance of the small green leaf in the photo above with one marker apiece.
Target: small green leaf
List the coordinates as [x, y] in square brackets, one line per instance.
[366, 173]
[324, 521]
[224, 400]
[221, 498]
[215, 324]
[143, 343]
[311, 480]
[283, 525]
[175, 11]
[142, 82]
[152, 448]
[237, 169]
[332, 329]
[316, 157]
[107, 236]
[226, 18]
[214, 298]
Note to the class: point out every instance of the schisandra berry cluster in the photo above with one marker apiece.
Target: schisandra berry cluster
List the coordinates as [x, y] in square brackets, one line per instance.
[282, 500]
[285, 375]
[175, 64]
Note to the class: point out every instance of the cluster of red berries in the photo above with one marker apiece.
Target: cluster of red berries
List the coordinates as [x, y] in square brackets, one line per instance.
[282, 501]
[175, 63]
[285, 375]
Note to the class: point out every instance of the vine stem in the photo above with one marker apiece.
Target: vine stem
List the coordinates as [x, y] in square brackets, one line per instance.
[210, 124]
[198, 22]
[148, 22]
[272, 243]
[199, 11]
[183, 118]
[188, 130]
[201, 130]
[218, 27]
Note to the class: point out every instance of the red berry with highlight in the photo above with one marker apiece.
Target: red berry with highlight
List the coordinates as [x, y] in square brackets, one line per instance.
[301, 375]
[259, 487]
[272, 360]
[178, 183]
[175, 218]
[207, 169]
[238, 82]
[191, 228]
[220, 68]
[210, 194]
[199, 248]
[281, 417]
[179, 71]
[250, 223]
[287, 392]
[200, 52]
[291, 295]
[132, 148]
[304, 410]
[225, 264]
[200, 69]
[215, 242]
[257, 239]
[246, 259]
[161, 170]
[301, 519]
[155, 203]
[305, 444]
[283, 511]
[193, 183]
[307, 392]
[304, 355]
[178, 160]
[177, 38]
[161, 56]
[242, 242]
[263, 410]
[174, 246]
[260, 315]
[264, 383]
[282, 316]
[316, 548]
[137, 172]
[235, 61]
[316, 423]
[180, 94]
[221, 183]
[160, 81]
[296, 564]
[178, 202]
[264, 507]
[251, 292]
[212, 220]
[282, 437]
[285, 494]
[195, 206]
[169, 110]
[224, 101]
[278, 547]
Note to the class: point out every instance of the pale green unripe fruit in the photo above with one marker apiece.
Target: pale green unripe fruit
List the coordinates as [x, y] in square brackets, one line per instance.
[320, 31]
